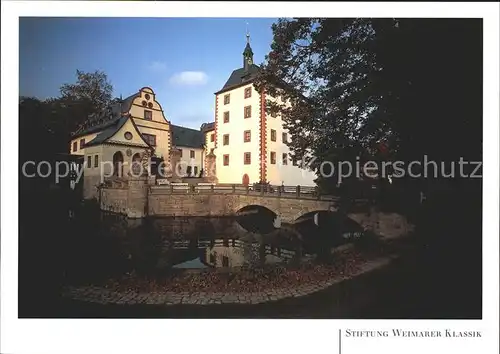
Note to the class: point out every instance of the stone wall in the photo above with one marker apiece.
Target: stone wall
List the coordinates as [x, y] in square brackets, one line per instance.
[131, 201]
[114, 200]
[90, 183]
[386, 225]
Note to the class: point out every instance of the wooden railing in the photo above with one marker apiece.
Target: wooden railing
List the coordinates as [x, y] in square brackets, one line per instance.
[301, 192]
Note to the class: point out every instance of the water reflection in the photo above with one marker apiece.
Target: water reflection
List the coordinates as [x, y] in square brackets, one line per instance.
[114, 246]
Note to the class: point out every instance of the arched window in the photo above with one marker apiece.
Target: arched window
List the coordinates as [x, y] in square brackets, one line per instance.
[118, 164]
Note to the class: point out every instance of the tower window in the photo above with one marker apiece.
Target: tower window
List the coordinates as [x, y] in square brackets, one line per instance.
[247, 136]
[285, 159]
[284, 137]
[273, 135]
[226, 160]
[248, 92]
[96, 161]
[212, 137]
[273, 158]
[89, 161]
[226, 117]
[225, 139]
[82, 142]
[248, 111]
[227, 99]
[148, 115]
[247, 158]
[75, 146]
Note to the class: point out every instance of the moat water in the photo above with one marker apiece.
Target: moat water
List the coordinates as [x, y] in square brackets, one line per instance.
[112, 245]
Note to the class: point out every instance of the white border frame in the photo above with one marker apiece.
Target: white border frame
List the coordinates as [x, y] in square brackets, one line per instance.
[148, 336]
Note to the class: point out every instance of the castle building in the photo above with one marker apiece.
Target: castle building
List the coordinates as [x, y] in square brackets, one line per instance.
[249, 144]
[244, 144]
[131, 130]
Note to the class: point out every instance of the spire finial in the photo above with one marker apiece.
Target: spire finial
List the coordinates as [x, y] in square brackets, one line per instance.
[248, 34]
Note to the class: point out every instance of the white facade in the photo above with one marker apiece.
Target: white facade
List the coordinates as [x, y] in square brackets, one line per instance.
[283, 171]
[277, 171]
[193, 157]
[235, 129]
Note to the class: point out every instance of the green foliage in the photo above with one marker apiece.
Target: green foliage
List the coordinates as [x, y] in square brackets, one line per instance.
[414, 84]
[46, 126]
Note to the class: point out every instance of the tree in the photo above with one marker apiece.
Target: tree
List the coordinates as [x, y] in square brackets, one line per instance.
[410, 83]
[91, 93]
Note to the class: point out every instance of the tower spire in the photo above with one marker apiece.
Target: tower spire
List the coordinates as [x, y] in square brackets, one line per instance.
[247, 53]
[247, 34]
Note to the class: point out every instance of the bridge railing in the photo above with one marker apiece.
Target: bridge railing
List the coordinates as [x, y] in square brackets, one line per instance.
[300, 192]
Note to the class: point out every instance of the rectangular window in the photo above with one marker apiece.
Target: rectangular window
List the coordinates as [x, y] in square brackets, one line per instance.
[247, 158]
[274, 114]
[148, 115]
[248, 92]
[248, 111]
[82, 142]
[75, 146]
[191, 154]
[89, 161]
[285, 159]
[225, 139]
[273, 135]
[247, 136]
[225, 261]
[284, 137]
[212, 137]
[150, 139]
[273, 158]
[196, 171]
[180, 150]
[227, 99]
[96, 161]
[226, 117]
[226, 160]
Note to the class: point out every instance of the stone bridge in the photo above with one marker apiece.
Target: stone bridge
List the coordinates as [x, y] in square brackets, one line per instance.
[138, 200]
[288, 208]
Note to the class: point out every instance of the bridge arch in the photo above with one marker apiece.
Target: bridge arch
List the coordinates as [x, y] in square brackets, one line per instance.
[332, 226]
[256, 218]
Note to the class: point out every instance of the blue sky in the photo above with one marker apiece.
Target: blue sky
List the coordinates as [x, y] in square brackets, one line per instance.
[184, 60]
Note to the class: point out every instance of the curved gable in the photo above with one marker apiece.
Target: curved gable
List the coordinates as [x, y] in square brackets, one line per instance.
[145, 101]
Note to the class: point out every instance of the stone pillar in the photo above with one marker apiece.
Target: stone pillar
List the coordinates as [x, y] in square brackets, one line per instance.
[211, 173]
[175, 158]
[137, 197]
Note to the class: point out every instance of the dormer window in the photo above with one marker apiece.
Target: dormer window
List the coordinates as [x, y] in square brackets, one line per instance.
[148, 115]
